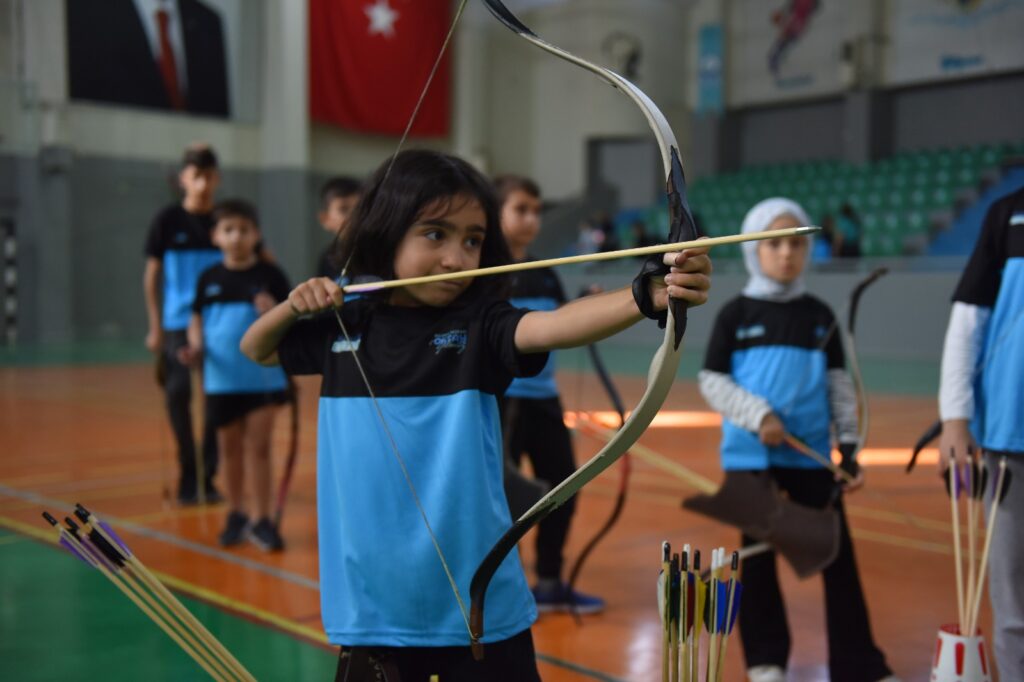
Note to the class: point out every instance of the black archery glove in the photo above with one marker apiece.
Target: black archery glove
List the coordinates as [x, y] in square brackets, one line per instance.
[653, 266]
[847, 462]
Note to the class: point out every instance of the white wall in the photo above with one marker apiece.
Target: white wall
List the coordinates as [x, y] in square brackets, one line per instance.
[543, 110]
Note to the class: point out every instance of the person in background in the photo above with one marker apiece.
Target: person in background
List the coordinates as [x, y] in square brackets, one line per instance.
[178, 249]
[981, 395]
[532, 415]
[770, 370]
[241, 396]
[638, 229]
[846, 242]
[338, 199]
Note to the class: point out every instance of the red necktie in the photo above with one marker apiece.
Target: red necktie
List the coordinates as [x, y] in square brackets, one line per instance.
[168, 65]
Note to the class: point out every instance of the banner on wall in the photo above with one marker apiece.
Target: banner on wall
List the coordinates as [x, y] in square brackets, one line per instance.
[710, 96]
[937, 39]
[785, 49]
[369, 61]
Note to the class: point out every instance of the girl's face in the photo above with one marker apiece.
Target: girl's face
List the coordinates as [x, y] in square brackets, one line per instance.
[520, 219]
[446, 237]
[782, 259]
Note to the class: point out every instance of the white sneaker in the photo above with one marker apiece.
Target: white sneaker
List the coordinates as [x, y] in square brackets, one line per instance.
[766, 673]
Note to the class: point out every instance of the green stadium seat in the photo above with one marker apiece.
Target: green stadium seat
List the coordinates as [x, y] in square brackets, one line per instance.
[897, 198]
[915, 222]
[967, 176]
[942, 197]
[891, 221]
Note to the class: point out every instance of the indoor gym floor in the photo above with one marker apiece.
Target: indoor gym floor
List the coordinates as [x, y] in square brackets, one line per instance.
[97, 434]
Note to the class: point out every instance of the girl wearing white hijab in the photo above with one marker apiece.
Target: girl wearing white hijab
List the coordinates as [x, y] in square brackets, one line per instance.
[775, 366]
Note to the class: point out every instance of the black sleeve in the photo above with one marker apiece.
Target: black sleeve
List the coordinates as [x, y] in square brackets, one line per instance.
[559, 292]
[718, 357]
[499, 324]
[155, 244]
[836, 359]
[979, 283]
[303, 350]
[199, 299]
[278, 286]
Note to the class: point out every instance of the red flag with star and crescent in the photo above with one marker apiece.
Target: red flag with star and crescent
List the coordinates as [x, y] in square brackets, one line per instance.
[369, 61]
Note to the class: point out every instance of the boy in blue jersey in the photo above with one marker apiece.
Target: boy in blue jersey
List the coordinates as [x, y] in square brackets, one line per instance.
[532, 419]
[241, 396]
[178, 249]
[775, 365]
[981, 402]
[338, 198]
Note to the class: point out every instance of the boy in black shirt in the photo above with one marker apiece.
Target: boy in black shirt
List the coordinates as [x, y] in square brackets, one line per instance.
[177, 250]
[241, 396]
[338, 198]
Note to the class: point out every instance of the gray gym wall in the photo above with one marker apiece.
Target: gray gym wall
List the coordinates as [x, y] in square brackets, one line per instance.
[84, 180]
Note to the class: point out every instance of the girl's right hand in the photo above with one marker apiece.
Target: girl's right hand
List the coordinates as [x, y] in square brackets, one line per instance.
[315, 295]
[772, 432]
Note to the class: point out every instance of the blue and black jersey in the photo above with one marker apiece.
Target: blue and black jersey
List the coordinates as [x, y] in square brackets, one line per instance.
[536, 290]
[994, 279]
[774, 350]
[436, 373]
[224, 300]
[181, 241]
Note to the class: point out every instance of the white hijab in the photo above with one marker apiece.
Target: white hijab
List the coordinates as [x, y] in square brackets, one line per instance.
[758, 219]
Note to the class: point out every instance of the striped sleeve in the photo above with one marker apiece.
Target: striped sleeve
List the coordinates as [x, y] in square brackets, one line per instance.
[732, 401]
[842, 399]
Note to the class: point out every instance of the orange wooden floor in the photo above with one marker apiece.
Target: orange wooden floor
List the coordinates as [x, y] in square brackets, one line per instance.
[98, 435]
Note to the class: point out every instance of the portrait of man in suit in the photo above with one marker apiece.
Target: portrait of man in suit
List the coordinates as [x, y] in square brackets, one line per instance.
[158, 54]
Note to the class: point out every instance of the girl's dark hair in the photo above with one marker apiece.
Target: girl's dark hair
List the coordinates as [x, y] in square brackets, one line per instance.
[390, 206]
[504, 185]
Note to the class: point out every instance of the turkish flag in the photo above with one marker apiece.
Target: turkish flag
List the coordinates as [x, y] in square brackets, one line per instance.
[369, 61]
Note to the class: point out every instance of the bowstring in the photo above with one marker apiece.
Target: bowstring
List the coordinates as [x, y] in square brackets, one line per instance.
[464, 612]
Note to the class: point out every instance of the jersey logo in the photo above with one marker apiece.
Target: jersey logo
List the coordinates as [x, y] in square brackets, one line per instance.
[343, 345]
[455, 339]
[212, 290]
[819, 332]
[751, 332]
[1017, 219]
[181, 237]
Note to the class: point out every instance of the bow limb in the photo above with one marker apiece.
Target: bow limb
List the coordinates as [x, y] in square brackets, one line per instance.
[666, 360]
[846, 335]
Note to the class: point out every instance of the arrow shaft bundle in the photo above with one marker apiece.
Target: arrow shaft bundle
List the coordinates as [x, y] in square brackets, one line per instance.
[97, 545]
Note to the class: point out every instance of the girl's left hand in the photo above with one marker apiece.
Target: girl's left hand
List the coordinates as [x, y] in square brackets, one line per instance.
[689, 279]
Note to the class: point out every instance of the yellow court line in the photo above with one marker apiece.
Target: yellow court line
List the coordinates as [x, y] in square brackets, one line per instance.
[899, 541]
[10, 540]
[173, 513]
[193, 590]
[707, 486]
